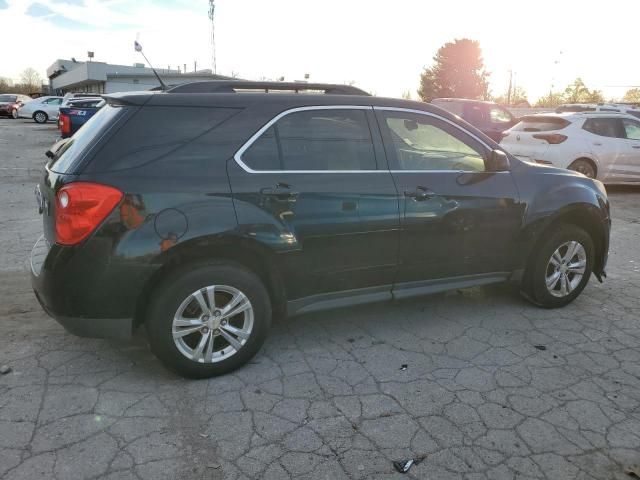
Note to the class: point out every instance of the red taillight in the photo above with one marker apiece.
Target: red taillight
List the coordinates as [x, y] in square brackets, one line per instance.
[553, 138]
[80, 208]
[64, 124]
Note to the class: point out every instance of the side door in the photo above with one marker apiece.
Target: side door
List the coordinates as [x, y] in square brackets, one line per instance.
[631, 155]
[458, 218]
[52, 107]
[313, 186]
[608, 145]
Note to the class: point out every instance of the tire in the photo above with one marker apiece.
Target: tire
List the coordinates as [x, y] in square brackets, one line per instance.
[40, 117]
[174, 297]
[541, 268]
[585, 167]
[14, 114]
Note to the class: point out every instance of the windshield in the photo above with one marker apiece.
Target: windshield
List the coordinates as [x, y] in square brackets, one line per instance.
[84, 138]
[8, 98]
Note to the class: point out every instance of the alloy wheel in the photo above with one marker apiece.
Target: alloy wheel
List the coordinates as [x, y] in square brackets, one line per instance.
[40, 117]
[212, 324]
[565, 269]
[14, 113]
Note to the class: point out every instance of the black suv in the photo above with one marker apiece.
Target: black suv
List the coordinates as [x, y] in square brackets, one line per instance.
[203, 211]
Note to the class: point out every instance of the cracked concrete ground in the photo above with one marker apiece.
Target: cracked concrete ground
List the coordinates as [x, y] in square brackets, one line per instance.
[326, 397]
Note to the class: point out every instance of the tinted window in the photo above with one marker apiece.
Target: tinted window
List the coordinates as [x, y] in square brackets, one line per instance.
[475, 114]
[499, 115]
[423, 143]
[8, 98]
[540, 124]
[153, 133]
[631, 129]
[53, 101]
[83, 138]
[315, 140]
[605, 127]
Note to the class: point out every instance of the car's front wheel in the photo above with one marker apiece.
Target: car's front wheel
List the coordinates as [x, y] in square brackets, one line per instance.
[40, 117]
[208, 320]
[560, 267]
[14, 113]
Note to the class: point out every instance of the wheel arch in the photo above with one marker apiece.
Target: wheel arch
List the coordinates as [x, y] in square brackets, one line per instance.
[247, 253]
[583, 215]
[593, 161]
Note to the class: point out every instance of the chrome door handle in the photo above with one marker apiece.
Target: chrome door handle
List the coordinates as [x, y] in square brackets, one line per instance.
[635, 146]
[597, 144]
[420, 194]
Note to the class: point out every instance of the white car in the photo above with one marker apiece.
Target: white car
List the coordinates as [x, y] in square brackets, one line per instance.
[41, 109]
[70, 97]
[599, 145]
[599, 107]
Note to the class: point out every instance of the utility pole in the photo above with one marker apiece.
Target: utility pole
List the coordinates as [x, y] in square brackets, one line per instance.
[509, 91]
[212, 8]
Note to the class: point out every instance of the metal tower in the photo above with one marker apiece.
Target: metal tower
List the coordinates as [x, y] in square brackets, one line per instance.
[213, 34]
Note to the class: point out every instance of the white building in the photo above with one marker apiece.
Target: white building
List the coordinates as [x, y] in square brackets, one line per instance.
[99, 77]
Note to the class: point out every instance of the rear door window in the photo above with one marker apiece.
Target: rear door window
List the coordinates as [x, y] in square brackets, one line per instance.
[475, 114]
[322, 140]
[631, 129]
[604, 127]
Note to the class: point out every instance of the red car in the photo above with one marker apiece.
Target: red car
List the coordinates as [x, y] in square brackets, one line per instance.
[10, 102]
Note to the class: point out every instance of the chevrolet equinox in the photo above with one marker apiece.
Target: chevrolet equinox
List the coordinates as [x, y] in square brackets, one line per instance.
[203, 211]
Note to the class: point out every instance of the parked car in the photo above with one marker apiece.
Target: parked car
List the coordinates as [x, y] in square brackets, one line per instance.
[489, 117]
[76, 113]
[41, 109]
[202, 211]
[599, 145]
[10, 102]
[600, 107]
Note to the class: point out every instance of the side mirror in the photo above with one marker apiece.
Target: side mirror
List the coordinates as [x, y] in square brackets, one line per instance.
[499, 161]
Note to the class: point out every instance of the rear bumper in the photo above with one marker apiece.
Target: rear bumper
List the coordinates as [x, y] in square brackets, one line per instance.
[81, 294]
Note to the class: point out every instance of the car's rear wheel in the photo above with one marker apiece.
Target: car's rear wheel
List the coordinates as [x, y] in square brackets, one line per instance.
[40, 117]
[560, 267]
[14, 113]
[585, 167]
[208, 320]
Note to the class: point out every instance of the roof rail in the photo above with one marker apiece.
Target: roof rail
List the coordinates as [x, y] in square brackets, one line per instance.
[233, 86]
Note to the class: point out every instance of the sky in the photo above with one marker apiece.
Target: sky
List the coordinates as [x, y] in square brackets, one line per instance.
[380, 46]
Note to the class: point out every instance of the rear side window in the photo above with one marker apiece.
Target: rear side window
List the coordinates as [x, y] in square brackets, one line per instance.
[540, 124]
[73, 150]
[634, 114]
[604, 127]
[336, 139]
[153, 133]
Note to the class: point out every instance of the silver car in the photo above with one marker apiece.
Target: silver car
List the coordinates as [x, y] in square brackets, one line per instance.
[41, 109]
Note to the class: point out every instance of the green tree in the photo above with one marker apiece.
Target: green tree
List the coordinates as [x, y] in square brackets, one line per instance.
[632, 95]
[457, 71]
[578, 92]
[550, 101]
[518, 97]
[406, 94]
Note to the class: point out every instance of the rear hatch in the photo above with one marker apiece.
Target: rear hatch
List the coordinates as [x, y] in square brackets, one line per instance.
[530, 138]
[66, 160]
